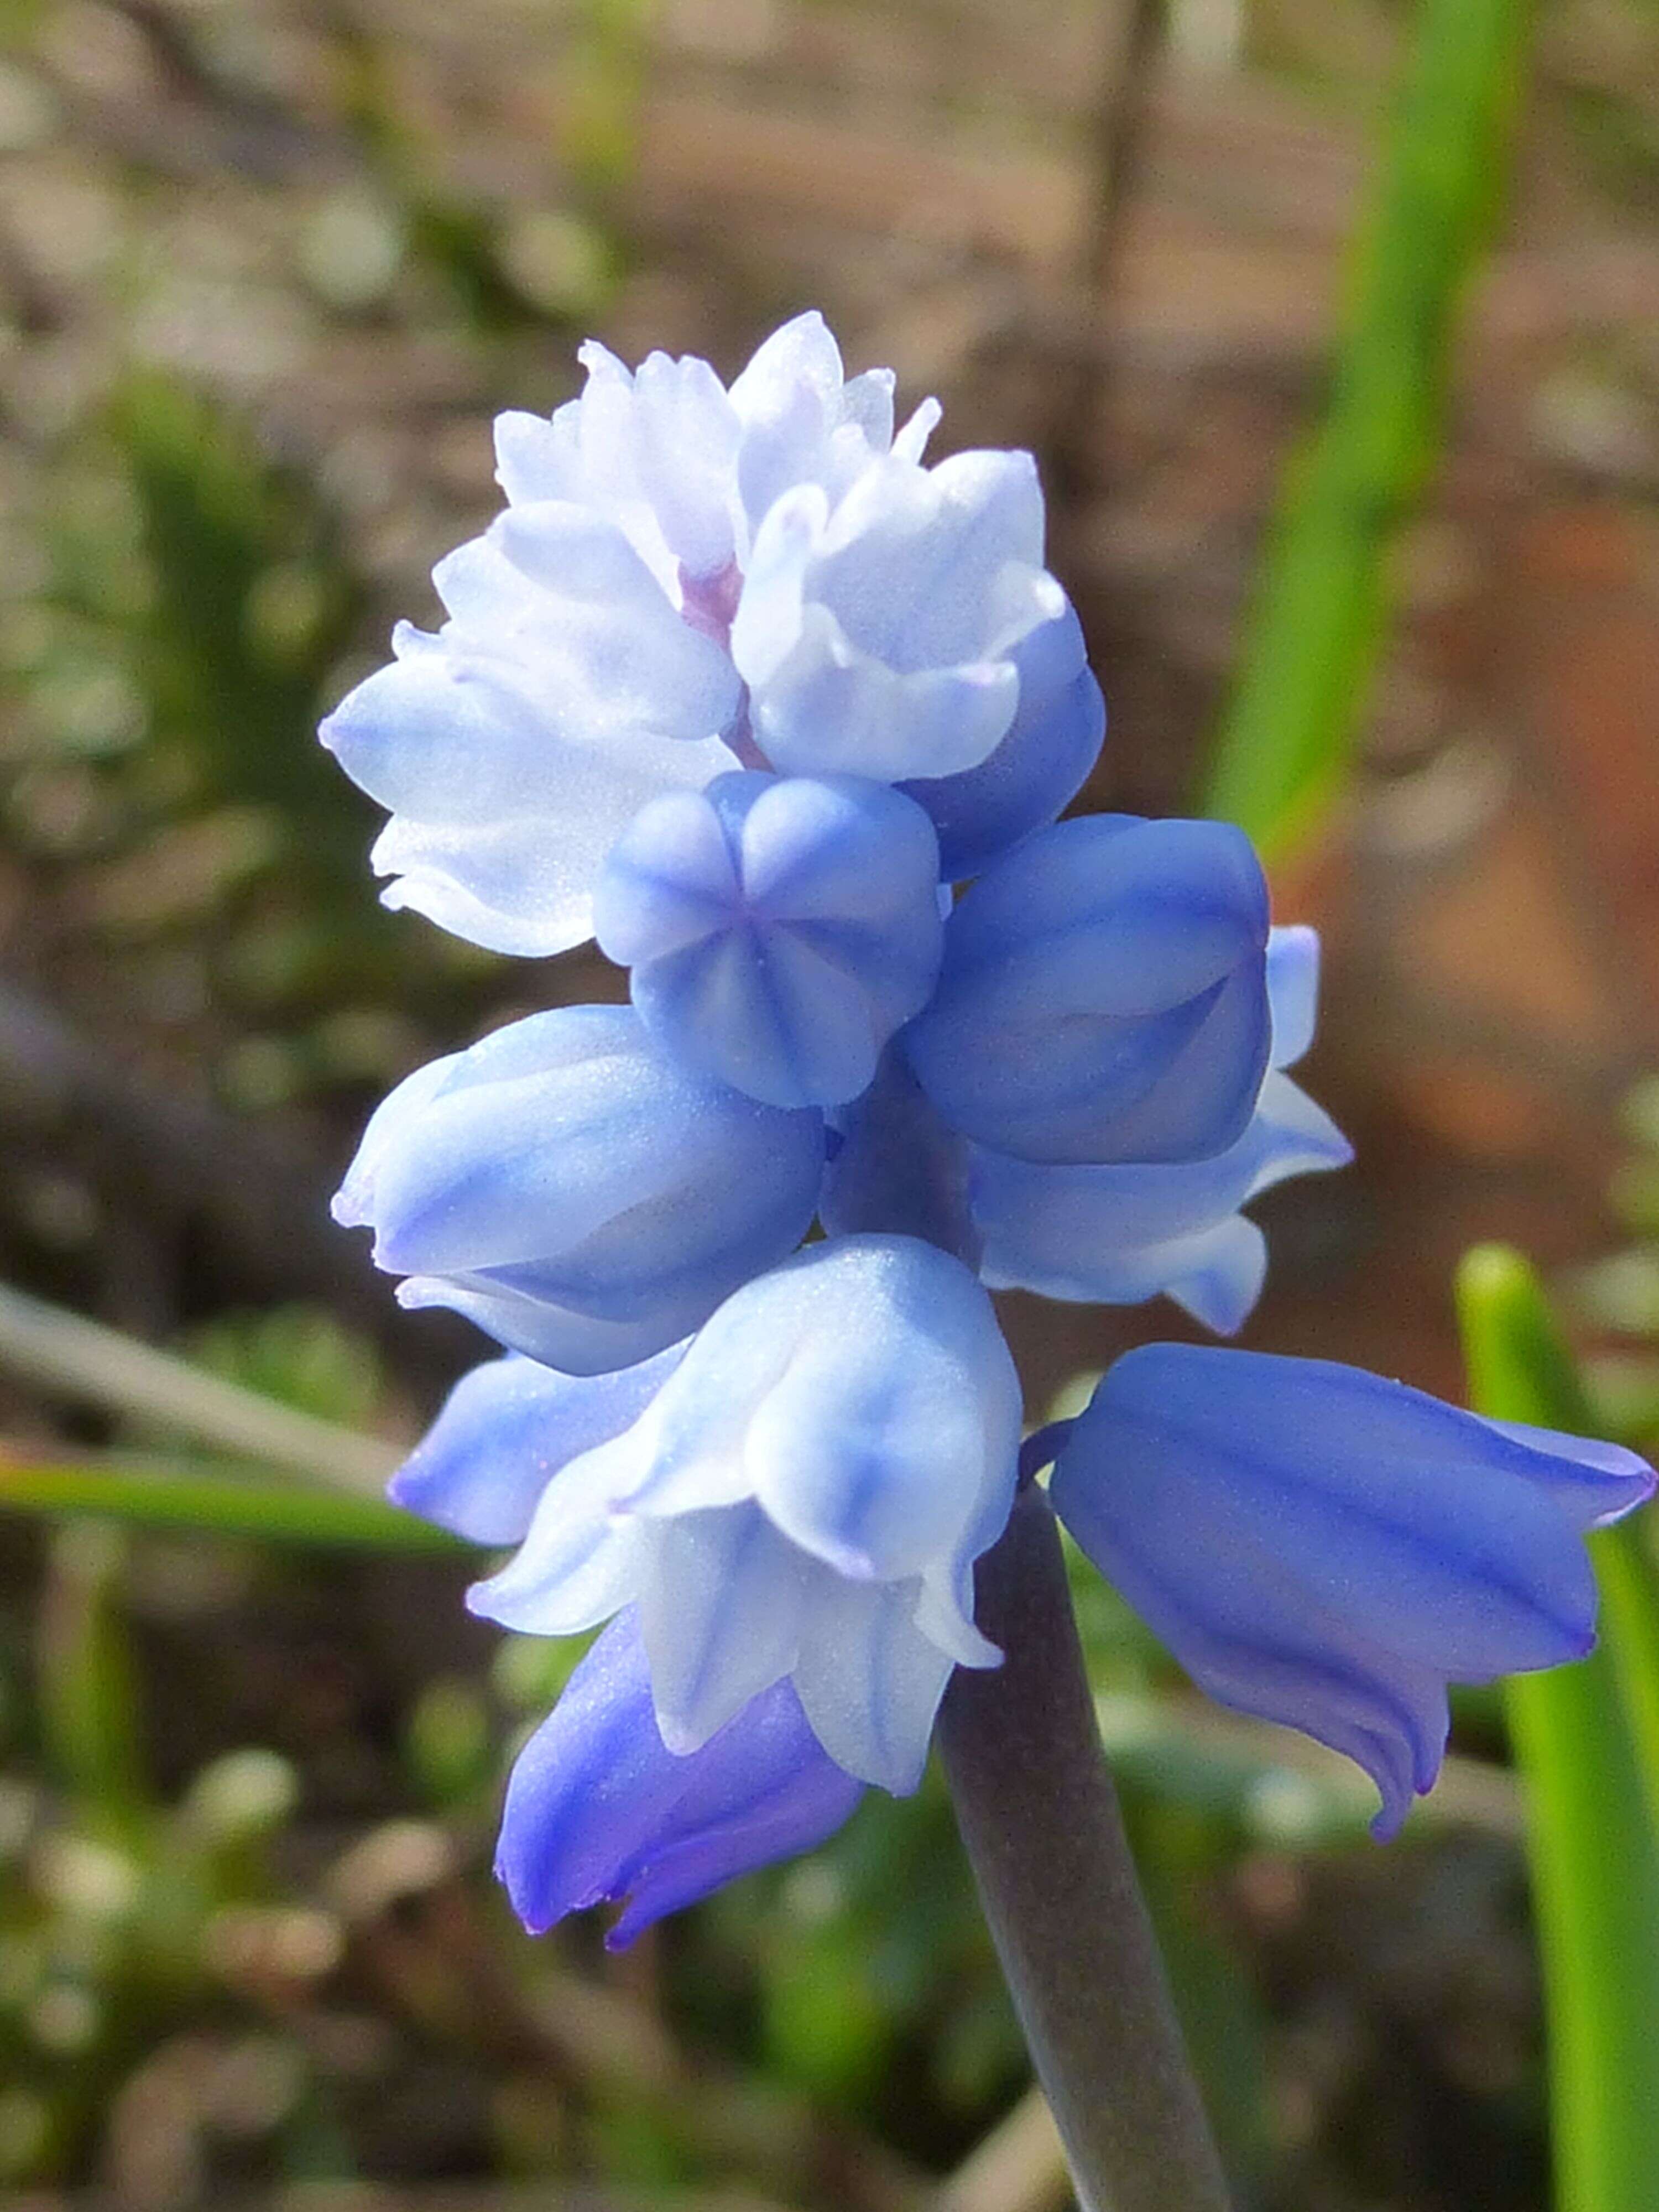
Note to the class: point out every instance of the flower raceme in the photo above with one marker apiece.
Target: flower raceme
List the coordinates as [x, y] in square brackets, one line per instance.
[786, 717]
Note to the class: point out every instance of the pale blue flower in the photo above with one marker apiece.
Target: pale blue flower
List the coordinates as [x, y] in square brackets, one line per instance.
[1104, 995]
[805, 1496]
[778, 928]
[514, 745]
[1323, 1548]
[599, 1811]
[576, 1193]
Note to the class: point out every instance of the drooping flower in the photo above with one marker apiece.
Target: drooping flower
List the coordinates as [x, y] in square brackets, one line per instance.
[804, 1498]
[599, 1811]
[1329, 1550]
[576, 1193]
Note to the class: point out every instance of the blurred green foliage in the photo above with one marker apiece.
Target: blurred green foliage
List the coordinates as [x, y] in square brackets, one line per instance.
[1318, 617]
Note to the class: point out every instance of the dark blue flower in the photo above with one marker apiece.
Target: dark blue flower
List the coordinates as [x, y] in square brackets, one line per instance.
[599, 1811]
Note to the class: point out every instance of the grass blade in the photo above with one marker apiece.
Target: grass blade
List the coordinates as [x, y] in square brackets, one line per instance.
[1320, 611]
[82, 1360]
[1592, 1840]
[157, 1494]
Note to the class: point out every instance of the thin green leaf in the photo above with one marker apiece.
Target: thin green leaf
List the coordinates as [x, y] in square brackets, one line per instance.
[1592, 1840]
[157, 1495]
[1320, 612]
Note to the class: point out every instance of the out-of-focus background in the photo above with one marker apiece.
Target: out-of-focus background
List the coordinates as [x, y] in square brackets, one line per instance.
[267, 268]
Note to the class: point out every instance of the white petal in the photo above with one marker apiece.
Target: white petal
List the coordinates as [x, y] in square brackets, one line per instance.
[576, 1566]
[832, 709]
[720, 1613]
[869, 1682]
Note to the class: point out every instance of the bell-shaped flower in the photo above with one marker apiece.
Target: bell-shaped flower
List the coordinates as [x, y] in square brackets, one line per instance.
[805, 1497]
[878, 633]
[778, 928]
[599, 1811]
[577, 1194]
[1104, 995]
[506, 1430]
[1328, 1550]
[1115, 1235]
[1036, 770]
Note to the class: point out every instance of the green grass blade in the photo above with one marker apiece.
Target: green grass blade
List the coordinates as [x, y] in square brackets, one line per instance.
[1320, 611]
[158, 1494]
[1593, 1840]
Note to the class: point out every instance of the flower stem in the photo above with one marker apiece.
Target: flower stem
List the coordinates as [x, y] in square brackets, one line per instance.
[1039, 1820]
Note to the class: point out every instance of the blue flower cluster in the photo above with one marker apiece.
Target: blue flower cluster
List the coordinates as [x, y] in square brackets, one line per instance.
[786, 718]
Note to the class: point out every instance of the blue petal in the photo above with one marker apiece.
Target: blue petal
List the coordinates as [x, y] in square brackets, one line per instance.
[599, 1810]
[1293, 990]
[1329, 1549]
[1082, 1233]
[780, 929]
[1042, 764]
[567, 1172]
[1102, 997]
[505, 1429]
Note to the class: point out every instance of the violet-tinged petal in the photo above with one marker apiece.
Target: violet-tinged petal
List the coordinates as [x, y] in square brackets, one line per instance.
[1114, 1236]
[599, 1811]
[1293, 990]
[1330, 1550]
[1038, 767]
[720, 1613]
[505, 1428]
[870, 1682]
